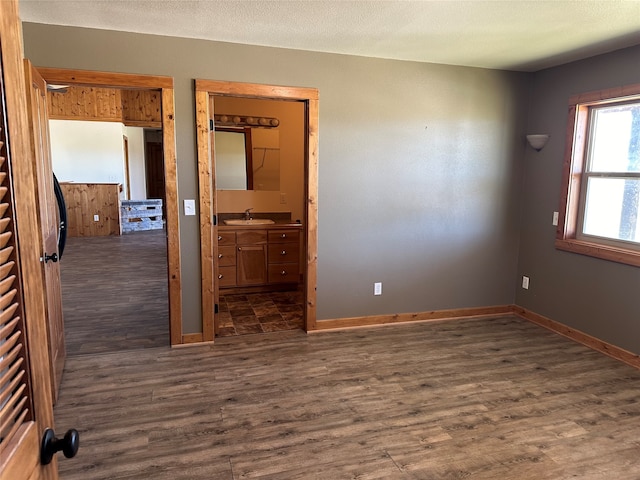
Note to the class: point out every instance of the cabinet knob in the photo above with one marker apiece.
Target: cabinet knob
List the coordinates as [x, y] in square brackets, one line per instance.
[220, 276]
[283, 252]
[284, 235]
[219, 237]
[283, 272]
[239, 249]
[219, 255]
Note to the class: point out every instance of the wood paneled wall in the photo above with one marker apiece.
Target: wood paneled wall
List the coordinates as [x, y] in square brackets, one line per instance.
[86, 103]
[84, 200]
[140, 108]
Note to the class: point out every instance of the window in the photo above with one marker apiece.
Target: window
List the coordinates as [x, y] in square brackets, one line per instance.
[600, 213]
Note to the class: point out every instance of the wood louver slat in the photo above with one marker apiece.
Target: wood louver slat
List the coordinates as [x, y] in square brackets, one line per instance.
[4, 223]
[15, 391]
[6, 316]
[7, 298]
[10, 357]
[5, 270]
[14, 411]
[6, 284]
[6, 347]
[14, 376]
[4, 238]
[5, 253]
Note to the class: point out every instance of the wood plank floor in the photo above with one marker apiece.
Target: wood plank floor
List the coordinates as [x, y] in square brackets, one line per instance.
[114, 292]
[470, 399]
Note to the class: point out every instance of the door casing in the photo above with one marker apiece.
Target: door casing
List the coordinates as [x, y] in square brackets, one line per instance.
[48, 218]
[165, 86]
[206, 175]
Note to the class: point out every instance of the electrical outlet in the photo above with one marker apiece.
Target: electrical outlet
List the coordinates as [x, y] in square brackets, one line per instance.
[555, 219]
[96, 218]
[377, 288]
[525, 282]
[283, 198]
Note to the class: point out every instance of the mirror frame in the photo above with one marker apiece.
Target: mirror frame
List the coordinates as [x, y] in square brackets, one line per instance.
[248, 153]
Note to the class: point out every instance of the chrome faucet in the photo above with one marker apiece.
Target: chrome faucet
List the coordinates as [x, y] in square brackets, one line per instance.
[247, 213]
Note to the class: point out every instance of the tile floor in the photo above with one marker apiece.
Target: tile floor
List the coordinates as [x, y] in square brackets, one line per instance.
[260, 313]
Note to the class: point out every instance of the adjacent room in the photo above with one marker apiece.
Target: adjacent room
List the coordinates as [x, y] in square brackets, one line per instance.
[397, 239]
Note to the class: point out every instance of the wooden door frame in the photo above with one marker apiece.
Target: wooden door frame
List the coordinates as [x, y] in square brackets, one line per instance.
[165, 85]
[204, 89]
[41, 158]
[127, 175]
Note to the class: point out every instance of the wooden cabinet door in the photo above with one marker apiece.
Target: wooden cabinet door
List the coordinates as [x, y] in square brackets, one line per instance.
[48, 218]
[252, 265]
[25, 382]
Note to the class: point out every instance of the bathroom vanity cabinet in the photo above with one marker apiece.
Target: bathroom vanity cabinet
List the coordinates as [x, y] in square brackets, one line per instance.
[283, 255]
[258, 256]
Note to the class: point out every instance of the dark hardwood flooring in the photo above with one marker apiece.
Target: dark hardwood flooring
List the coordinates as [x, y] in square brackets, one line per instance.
[114, 292]
[468, 399]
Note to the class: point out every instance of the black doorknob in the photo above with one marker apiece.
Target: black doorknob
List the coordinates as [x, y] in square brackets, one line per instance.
[51, 445]
[53, 257]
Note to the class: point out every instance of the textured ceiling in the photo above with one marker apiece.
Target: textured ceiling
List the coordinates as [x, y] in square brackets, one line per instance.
[513, 35]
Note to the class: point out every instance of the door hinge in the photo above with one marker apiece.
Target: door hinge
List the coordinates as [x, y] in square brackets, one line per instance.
[215, 220]
[216, 309]
[211, 125]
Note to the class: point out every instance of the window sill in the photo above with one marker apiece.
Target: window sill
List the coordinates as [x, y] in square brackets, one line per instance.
[613, 254]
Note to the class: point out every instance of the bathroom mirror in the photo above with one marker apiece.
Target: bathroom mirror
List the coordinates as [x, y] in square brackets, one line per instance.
[247, 159]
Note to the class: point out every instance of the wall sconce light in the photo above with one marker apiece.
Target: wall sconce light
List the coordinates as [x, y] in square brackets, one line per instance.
[245, 121]
[538, 142]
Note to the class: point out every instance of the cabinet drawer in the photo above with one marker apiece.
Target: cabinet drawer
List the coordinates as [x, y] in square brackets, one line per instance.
[284, 273]
[226, 256]
[284, 235]
[227, 276]
[226, 238]
[251, 237]
[284, 253]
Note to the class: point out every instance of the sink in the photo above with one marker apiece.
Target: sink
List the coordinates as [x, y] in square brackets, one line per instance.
[252, 221]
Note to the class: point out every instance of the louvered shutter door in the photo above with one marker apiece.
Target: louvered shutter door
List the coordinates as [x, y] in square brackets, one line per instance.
[15, 393]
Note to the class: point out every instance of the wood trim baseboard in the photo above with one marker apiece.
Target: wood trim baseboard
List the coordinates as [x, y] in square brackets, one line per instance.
[192, 340]
[338, 324]
[396, 318]
[576, 335]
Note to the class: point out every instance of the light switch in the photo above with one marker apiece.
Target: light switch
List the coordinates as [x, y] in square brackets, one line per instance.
[189, 207]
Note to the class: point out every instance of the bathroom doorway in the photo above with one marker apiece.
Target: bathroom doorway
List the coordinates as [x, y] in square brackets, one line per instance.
[258, 158]
[208, 94]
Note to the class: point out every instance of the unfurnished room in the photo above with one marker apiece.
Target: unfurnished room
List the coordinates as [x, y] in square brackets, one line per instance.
[319, 239]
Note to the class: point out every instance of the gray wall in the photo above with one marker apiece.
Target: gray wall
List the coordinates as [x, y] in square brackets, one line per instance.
[420, 164]
[593, 295]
